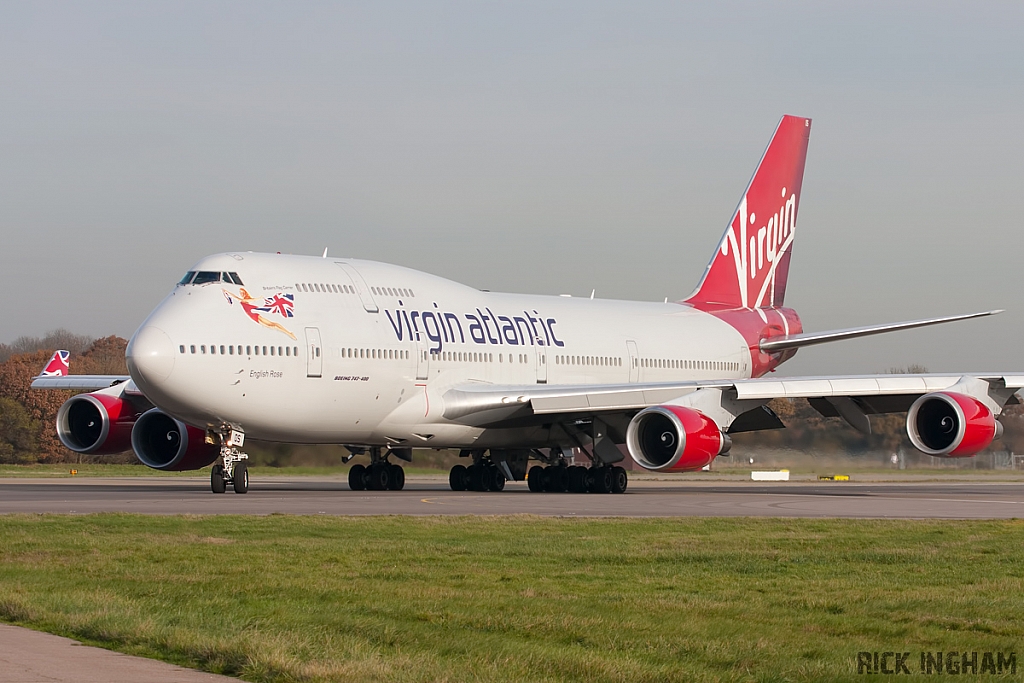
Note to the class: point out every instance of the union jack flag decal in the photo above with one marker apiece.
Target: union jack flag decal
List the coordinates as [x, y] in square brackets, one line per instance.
[281, 304]
[58, 365]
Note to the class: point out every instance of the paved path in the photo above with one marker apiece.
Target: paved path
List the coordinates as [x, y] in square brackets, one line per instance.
[32, 657]
[431, 496]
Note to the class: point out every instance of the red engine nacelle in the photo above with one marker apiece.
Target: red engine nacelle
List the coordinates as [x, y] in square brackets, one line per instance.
[97, 424]
[949, 424]
[674, 439]
[163, 443]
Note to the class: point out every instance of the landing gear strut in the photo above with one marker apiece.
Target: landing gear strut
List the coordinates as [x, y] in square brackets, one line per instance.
[231, 466]
[380, 475]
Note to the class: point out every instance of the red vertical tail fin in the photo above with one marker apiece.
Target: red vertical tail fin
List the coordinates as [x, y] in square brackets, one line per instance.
[58, 366]
[751, 265]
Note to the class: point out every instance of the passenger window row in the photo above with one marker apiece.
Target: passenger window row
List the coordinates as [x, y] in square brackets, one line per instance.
[324, 288]
[479, 357]
[675, 364]
[606, 361]
[463, 356]
[232, 350]
[376, 354]
[205, 277]
[393, 291]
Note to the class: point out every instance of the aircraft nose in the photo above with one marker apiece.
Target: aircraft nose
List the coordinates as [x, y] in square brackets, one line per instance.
[150, 355]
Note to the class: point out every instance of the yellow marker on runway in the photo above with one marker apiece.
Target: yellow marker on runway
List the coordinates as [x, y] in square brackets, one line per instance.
[834, 477]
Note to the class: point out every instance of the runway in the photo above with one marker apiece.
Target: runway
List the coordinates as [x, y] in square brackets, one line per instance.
[431, 496]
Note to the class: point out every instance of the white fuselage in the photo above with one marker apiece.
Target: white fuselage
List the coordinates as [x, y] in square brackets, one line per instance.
[331, 350]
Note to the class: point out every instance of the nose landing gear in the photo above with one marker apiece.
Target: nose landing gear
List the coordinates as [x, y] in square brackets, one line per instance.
[231, 466]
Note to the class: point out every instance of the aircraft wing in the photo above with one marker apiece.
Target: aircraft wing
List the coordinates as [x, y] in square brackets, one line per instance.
[832, 396]
[56, 374]
[80, 382]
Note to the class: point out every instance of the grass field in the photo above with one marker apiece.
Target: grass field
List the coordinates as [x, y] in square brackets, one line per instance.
[284, 598]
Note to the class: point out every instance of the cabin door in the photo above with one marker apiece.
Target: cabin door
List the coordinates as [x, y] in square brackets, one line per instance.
[314, 353]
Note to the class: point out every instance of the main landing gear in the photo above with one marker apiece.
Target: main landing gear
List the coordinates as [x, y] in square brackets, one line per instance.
[380, 475]
[578, 479]
[480, 476]
[230, 467]
[490, 472]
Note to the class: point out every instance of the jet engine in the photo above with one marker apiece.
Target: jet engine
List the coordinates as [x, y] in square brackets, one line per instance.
[953, 425]
[164, 443]
[96, 424]
[674, 439]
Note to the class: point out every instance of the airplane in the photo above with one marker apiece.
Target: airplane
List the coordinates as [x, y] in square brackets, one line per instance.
[384, 360]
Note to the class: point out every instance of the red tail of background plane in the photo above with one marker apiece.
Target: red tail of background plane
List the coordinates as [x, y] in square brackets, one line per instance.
[58, 366]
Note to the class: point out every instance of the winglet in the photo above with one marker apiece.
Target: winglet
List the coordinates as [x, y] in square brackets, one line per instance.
[59, 365]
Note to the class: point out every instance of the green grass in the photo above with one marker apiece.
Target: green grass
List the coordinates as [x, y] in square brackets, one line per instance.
[284, 598]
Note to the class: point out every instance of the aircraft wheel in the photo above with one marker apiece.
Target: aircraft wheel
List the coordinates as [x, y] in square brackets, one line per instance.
[397, 478]
[497, 478]
[240, 480]
[535, 478]
[356, 477]
[620, 480]
[379, 477]
[577, 476]
[558, 479]
[601, 479]
[458, 478]
[217, 483]
[477, 478]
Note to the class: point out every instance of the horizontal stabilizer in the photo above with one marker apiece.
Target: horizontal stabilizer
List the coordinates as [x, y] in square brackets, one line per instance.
[795, 341]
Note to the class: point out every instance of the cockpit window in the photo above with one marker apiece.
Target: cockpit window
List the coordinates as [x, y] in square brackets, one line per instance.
[205, 277]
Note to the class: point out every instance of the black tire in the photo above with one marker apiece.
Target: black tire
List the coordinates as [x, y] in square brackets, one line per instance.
[535, 479]
[380, 477]
[217, 483]
[356, 477]
[557, 479]
[620, 480]
[240, 479]
[477, 480]
[577, 477]
[397, 482]
[458, 478]
[496, 478]
[601, 479]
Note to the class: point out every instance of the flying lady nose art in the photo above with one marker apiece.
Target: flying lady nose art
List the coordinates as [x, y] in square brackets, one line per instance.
[260, 310]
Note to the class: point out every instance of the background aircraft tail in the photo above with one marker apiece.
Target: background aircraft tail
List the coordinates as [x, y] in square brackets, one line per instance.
[751, 265]
[59, 365]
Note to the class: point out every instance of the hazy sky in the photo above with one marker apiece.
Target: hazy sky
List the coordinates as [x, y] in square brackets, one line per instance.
[539, 147]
